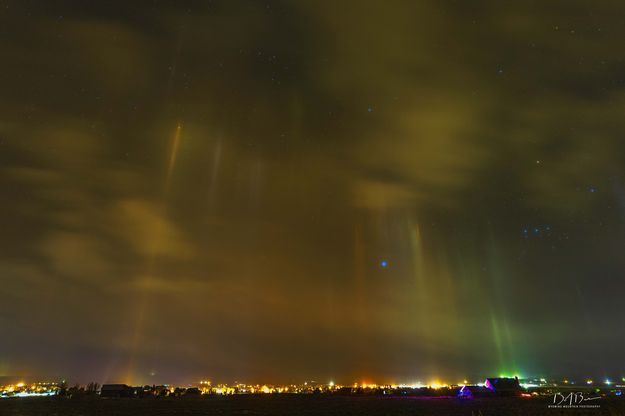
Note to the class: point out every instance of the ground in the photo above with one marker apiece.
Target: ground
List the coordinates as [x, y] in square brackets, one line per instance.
[307, 405]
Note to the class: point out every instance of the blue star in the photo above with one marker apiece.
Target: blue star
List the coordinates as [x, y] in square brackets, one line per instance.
[384, 264]
[592, 190]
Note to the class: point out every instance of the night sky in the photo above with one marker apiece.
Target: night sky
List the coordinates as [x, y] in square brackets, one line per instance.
[311, 190]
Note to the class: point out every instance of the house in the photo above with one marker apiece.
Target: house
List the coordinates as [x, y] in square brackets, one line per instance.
[116, 390]
[192, 391]
[469, 392]
[504, 386]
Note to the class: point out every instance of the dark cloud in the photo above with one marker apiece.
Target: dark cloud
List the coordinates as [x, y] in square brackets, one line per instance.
[208, 189]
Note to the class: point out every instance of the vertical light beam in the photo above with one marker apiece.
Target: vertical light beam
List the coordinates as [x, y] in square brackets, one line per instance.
[143, 302]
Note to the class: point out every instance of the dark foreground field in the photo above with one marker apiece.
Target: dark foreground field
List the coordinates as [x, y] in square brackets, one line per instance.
[296, 405]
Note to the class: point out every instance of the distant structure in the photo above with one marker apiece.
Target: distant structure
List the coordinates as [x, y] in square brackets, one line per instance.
[116, 391]
[504, 386]
[192, 391]
[469, 392]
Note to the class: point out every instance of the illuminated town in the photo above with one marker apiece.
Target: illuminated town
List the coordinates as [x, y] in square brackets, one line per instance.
[464, 389]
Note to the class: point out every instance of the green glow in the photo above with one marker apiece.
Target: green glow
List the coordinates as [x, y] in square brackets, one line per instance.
[513, 374]
[497, 340]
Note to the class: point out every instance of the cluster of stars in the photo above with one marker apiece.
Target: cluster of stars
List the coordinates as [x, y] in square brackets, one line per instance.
[537, 231]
